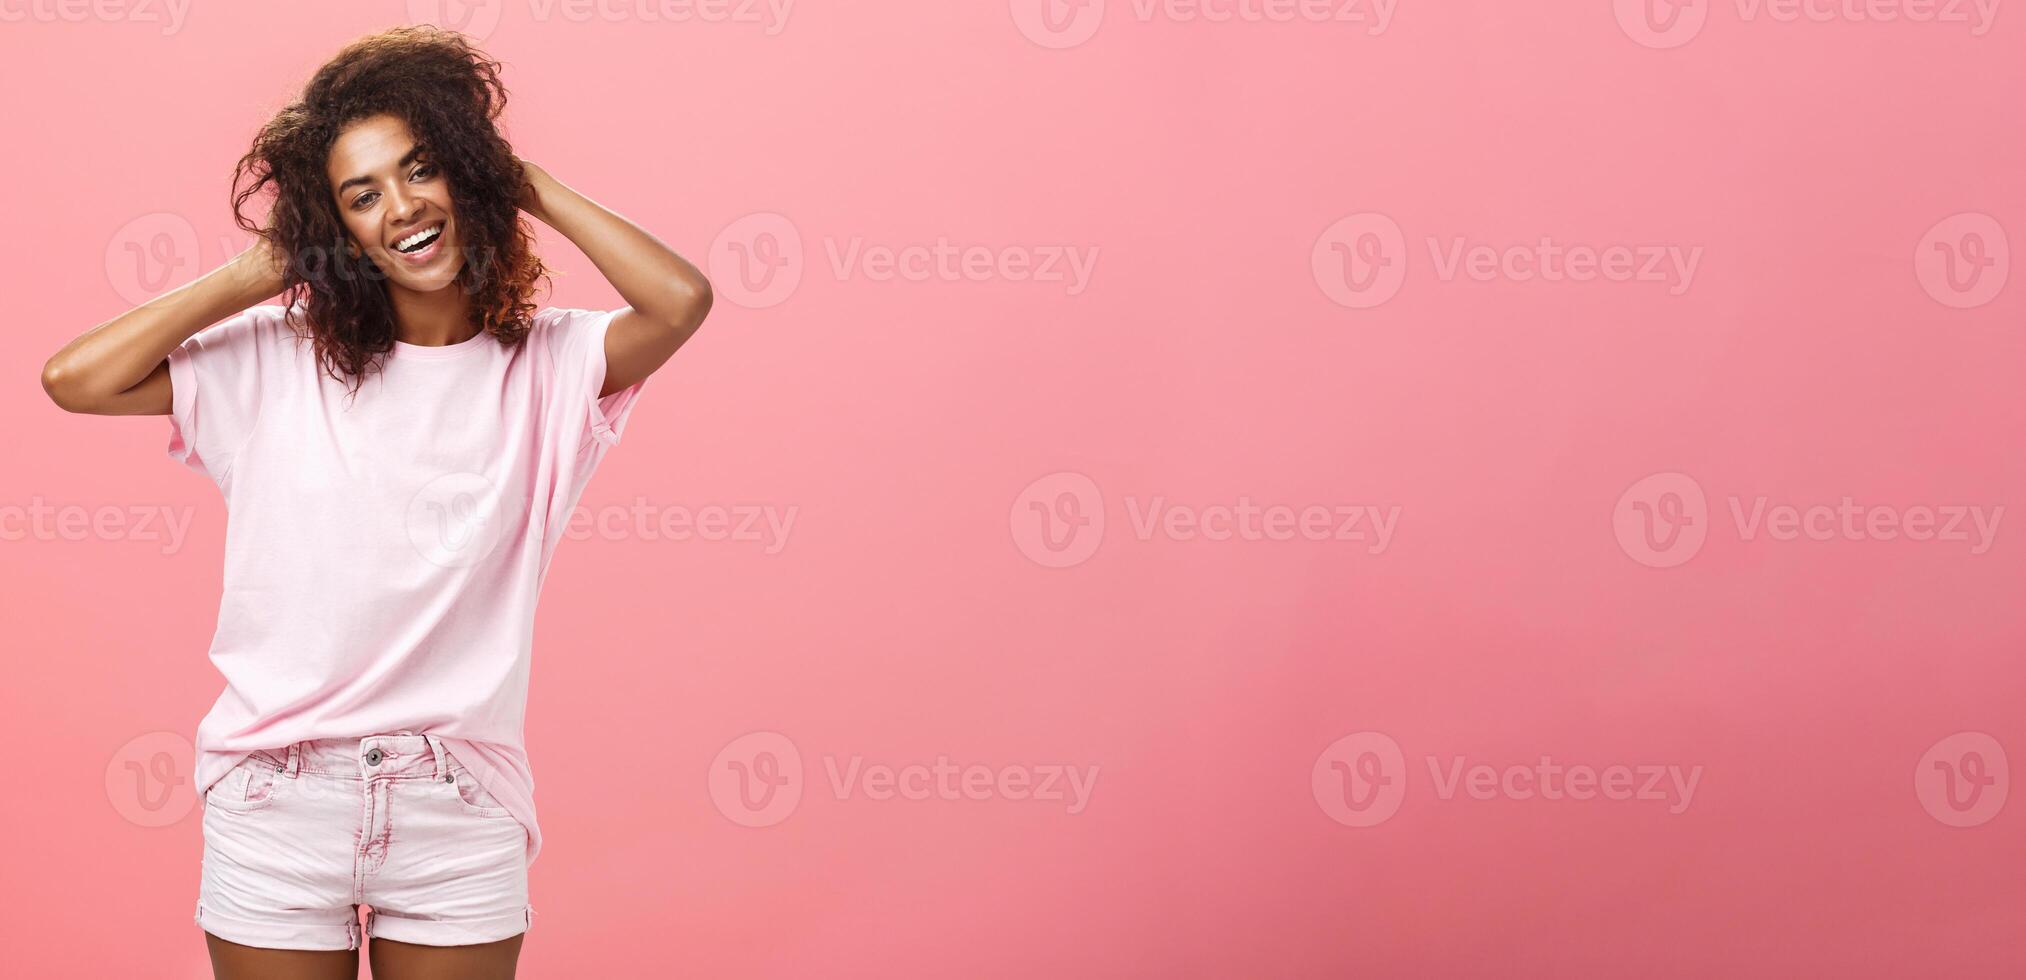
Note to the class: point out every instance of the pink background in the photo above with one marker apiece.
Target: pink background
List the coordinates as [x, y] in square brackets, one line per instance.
[914, 610]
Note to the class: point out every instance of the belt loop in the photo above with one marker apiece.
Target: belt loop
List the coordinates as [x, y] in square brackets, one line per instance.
[294, 758]
[442, 764]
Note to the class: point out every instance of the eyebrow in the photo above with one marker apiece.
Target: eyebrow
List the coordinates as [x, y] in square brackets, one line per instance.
[413, 152]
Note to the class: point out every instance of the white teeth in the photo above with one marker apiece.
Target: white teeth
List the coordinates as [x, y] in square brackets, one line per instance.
[421, 236]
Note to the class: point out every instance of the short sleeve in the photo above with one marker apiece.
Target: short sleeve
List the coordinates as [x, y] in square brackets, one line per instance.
[576, 340]
[215, 391]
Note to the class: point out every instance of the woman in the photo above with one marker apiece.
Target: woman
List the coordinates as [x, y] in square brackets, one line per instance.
[399, 449]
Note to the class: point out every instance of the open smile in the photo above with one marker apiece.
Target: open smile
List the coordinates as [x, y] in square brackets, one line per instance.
[422, 247]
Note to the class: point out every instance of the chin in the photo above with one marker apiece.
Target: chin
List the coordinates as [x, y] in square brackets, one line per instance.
[432, 283]
[430, 280]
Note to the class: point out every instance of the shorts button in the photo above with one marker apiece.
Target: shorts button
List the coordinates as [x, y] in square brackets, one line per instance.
[373, 757]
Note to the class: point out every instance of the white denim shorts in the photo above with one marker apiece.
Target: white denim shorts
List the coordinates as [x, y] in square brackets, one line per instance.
[297, 838]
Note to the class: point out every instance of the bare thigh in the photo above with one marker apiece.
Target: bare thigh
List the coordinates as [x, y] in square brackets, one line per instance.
[232, 961]
[394, 960]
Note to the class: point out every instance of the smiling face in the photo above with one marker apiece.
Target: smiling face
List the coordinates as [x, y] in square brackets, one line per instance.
[391, 194]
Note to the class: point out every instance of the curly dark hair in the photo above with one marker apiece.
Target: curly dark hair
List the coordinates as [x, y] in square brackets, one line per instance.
[450, 95]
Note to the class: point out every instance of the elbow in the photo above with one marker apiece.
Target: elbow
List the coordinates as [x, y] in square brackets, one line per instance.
[697, 297]
[74, 389]
[60, 384]
[701, 298]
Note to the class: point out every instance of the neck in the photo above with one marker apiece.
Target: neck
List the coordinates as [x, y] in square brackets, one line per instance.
[433, 319]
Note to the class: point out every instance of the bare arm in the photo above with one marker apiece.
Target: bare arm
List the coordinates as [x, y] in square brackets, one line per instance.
[120, 367]
[668, 297]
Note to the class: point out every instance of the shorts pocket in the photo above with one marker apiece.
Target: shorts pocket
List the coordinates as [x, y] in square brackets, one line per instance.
[250, 786]
[474, 798]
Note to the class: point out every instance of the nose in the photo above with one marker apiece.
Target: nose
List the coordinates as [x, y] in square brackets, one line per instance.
[402, 206]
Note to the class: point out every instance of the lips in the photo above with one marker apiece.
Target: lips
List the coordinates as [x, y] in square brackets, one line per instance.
[422, 245]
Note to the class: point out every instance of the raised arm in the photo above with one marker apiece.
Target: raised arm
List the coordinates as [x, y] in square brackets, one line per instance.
[668, 298]
[120, 367]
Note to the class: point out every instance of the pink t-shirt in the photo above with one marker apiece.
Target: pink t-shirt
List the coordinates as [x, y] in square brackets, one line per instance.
[384, 552]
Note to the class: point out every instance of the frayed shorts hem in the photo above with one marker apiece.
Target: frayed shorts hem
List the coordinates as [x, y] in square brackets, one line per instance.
[346, 934]
[340, 934]
[437, 932]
